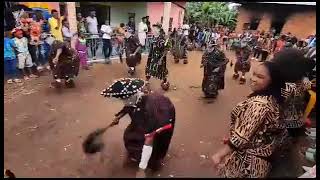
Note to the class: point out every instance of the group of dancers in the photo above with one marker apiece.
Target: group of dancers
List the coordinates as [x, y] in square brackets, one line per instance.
[148, 136]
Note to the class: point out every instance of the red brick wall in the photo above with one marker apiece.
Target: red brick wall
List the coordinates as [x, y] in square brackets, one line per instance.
[265, 22]
[243, 17]
[301, 24]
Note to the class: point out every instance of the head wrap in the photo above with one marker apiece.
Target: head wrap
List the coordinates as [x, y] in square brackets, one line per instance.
[124, 88]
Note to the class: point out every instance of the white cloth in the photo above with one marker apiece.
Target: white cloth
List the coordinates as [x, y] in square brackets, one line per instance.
[92, 25]
[145, 156]
[106, 30]
[185, 29]
[215, 36]
[142, 29]
[66, 32]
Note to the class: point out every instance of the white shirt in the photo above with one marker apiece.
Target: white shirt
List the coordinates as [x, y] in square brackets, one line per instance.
[215, 36]
[106, 30]
[142, 27]
[185, 29]
[92, 25]
[66, 32]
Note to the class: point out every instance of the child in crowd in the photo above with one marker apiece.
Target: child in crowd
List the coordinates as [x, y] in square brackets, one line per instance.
[82, 51]
[10, 60]
[23, 55]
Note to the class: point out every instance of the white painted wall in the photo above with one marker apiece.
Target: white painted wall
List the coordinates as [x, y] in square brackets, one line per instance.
[119, 12]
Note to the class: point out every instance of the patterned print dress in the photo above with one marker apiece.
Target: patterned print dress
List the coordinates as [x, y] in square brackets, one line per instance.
[255, 133]
[155, 67]
[293, 110]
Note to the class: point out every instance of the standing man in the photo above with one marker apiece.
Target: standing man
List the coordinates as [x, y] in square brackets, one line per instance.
[67, 34]
[106, 39]
[131, 24]
[55, 23]
[142, 30]
[92, 24]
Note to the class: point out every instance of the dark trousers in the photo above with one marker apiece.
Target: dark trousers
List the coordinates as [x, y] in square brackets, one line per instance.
[107, 47]
[38, 57]
[264, 55]
[10, 67]
[93, 43]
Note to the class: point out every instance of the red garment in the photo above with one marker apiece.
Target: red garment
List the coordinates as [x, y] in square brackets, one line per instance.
[279, 45]
[35, 30]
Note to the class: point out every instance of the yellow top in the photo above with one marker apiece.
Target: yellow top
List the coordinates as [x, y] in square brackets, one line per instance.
[53, 22]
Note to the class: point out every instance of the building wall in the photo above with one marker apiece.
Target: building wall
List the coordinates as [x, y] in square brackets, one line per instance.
[119, 12]
[301, 24]
[177, 15]
[155, 11]
[265, 23]
[243, 17]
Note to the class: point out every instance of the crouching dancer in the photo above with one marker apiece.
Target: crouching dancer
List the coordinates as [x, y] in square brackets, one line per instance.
[64, 63]
[148, 136]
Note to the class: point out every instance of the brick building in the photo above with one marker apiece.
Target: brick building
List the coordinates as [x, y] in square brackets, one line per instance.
[299, 18]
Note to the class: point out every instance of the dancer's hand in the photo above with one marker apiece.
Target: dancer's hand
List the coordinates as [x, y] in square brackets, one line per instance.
[55, 60]
[115, 121]
[216, 159]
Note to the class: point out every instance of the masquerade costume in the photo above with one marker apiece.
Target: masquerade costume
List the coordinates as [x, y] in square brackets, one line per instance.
[157, 60]
[68, 63]
[131, 45]
[152, 116]
[180, 47]
[242, 62]
[214, 63]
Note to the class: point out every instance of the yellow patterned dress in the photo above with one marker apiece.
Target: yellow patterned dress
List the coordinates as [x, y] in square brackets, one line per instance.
[255, 133]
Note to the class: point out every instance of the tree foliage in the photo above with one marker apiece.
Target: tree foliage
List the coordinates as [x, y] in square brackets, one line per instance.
[211, 13]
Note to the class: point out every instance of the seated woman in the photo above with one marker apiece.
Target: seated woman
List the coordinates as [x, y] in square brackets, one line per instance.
[256, 129]
[64, 63]
[148, 136]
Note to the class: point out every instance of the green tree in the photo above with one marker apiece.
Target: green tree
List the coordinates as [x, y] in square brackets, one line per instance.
[211, 13]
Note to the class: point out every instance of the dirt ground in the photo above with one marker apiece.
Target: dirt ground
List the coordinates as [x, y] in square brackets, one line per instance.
[44, 128]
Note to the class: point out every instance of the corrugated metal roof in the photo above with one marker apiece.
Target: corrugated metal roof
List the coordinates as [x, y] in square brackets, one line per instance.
[296, 3]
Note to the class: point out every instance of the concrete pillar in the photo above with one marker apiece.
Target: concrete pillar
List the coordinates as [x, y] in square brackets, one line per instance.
[72, 19]
[166, 16]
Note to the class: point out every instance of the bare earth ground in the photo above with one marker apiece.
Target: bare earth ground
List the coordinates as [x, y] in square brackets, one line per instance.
[44, 128]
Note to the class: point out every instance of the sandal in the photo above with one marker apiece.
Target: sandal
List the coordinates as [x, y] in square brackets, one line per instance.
[34, 76]
[9, 81]
[17, 81]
